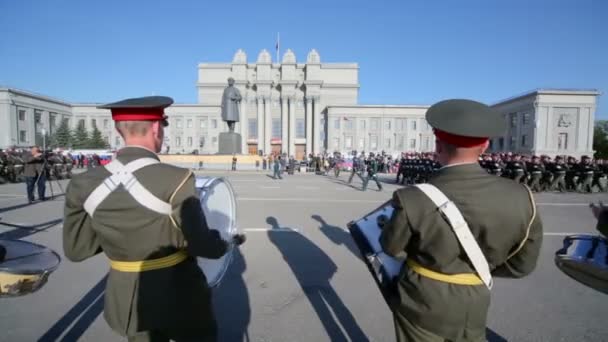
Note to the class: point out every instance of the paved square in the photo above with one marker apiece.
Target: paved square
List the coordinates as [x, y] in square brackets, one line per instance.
[303, 282]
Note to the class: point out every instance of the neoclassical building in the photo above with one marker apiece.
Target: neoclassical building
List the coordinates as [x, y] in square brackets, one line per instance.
[310, 107]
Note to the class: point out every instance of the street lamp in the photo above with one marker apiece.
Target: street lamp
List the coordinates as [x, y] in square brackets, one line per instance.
[43, 131]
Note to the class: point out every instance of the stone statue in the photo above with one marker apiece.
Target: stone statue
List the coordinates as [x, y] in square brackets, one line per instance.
[230, 104]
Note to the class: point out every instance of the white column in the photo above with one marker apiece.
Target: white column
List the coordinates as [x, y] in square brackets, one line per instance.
[317, 126]
[260, 118]
[284, 125]
[308, 125]
[292, 126]
[244, 126]
[268, 124]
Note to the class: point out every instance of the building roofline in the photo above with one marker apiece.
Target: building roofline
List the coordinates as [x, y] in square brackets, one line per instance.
[379, 106]
[549, 91]
[35, 95]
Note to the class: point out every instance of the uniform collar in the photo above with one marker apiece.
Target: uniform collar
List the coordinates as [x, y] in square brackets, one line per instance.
[132, 152]
[460, 170]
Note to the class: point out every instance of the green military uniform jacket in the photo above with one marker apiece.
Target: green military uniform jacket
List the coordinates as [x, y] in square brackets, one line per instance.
[169, 299]
[503, 220]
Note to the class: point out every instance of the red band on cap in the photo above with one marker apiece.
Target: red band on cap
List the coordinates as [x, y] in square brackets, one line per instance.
[459, 140]
[137, 114]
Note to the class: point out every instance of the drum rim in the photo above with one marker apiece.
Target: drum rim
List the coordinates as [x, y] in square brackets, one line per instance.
[229, 253]
[586, 236]
[30, 271]
[213, 180]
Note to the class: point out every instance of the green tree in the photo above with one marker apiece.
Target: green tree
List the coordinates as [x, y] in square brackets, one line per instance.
[62, 137]
[80, 137]
[600, 143]
[96, 139]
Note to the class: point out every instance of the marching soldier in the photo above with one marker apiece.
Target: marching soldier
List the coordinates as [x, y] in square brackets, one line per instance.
[535, 170]
[372, 173]
[453, 232]
[558, 169]
[146, 217]
[585, 175]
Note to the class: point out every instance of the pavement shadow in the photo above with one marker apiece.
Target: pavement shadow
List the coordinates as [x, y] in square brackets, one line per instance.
[492, 336]
[231, 302]
[314, 269]
[345, 183]
[80, 317]
[338, 236]
[22, 231]
[24, 205]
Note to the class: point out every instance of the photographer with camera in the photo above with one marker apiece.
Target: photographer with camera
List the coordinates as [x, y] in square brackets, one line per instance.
[35, 174]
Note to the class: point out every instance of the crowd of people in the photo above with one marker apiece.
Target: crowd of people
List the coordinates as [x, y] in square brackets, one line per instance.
[58, 165]
[540, 173]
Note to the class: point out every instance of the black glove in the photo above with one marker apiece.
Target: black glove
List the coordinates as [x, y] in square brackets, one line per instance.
[239, 239]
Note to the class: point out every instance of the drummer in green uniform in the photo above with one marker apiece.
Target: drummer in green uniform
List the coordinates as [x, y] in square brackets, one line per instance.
[443, 290]
[145, 216]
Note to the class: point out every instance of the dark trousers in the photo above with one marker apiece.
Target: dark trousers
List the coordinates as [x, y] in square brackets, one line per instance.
[375, 178]
[559, 182]
[30, 182]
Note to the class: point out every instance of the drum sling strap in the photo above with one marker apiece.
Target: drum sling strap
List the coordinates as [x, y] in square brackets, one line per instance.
[465, 237]
[123, 175]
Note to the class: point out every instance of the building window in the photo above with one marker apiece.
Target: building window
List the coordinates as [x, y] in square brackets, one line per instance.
[348, 123]
[178, 123]
[387, 124]
[348, 143]
[373, 142]
[300, 128]
[214, 141]
[214, 123]
[189, 123]
[23, 136]
[562, 141]
[81, 123]
[513, 118]
[337, 124]
[203, 123]
[362, 124]
[117, 141]
[427, 144]
[322, 128]
[201, 141]
[513, 142]
[252, 131]
[491, 141]
[524, 140]
[501, 143]
[336, 143]
[387, 143]
[414, 125]
[400, 142]
[37, 116]
[178, 141]
[361, 143]
[106, 123]
[52, 122]
[276, 128]
[525, 118]
[21, 114]
[189, 141]
[374, 124]
[412, 143]
[93, 123]
[106, 139]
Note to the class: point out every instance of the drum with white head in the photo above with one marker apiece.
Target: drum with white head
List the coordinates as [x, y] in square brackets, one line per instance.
[366, 233]
[219, 206]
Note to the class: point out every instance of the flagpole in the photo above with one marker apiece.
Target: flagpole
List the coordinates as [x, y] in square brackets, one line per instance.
[278, 45]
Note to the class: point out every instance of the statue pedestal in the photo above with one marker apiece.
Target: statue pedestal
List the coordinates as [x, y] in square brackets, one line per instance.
[229, 143]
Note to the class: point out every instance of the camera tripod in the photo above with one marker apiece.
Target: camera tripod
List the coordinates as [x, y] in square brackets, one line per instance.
[45, 167]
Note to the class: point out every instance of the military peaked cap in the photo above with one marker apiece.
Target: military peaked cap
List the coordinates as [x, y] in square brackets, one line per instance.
[465, 123]
[149, 108]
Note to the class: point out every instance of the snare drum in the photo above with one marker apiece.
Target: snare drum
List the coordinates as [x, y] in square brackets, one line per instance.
[585, 259]
[366, 233]
[25, 267]
[219, 206]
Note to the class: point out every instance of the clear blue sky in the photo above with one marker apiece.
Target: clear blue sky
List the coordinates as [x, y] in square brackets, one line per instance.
[409, 52]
